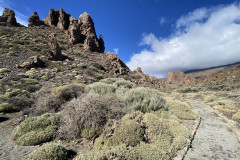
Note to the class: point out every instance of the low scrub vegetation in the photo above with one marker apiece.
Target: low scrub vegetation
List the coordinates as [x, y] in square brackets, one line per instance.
[50, 151]
[181, 110]
[145, 99]
[35, 130]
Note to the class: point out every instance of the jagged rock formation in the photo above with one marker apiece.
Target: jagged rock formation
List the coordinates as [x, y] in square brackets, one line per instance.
[180, 78]
[59, 19]
[80, 30]
[83, 31]
[116, 65]
[8, 18]
[55, 52]
[148, 81]
[34, 20]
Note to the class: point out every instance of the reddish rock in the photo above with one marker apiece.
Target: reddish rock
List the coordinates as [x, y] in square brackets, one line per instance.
[180, 78]
[116, 65]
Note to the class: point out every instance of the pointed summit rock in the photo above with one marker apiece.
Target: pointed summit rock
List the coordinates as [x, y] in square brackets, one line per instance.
[83, 31]
[52, 18]
[63, 20]
[34, 20]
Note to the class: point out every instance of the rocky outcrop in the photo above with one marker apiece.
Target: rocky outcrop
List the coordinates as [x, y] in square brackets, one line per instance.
[59, 19]
[55, 52]
[8, 18]
[146, 80]
[34, 20]
[180, 78]
[35, 63]
[116, 65]
[80, 30]
[83, 31]
[63, 20]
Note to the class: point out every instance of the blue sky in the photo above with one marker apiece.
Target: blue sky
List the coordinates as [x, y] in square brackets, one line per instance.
[157, 35]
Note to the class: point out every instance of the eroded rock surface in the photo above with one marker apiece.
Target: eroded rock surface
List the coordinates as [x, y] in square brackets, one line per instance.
[55, 52]
[116, 65]
[34, 20]
[8, 18]
[180, 78]
[83, 31]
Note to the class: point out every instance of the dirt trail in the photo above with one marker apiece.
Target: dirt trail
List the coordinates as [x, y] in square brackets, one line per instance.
[214, 139]
[9, 151]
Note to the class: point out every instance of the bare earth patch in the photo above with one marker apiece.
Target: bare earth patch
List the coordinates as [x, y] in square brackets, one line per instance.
[8, 150]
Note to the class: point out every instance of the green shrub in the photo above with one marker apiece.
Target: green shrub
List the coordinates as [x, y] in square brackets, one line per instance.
[49, 151]
[145, 99]
[180, 142]
[117, 153]
[35, 130]
[188, 89]
[15, 93]
[150, 151]
[101, 88]
[236, 116]
[109, 80]
[5, 107]
[129, 133]
[90, 133]
[181, 110]
[125, 84]
[67, 92]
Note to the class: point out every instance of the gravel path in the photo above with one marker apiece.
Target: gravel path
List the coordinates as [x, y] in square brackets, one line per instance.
[214, 139]
[9, 151]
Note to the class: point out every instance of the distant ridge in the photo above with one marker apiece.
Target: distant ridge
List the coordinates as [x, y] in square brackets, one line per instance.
[205, 69]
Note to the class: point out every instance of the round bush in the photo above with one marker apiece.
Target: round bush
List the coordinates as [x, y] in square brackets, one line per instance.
[35, 130]
[129, 133]
[68, 92]
[82, 113]
[145, 99]
[101, 88]
[49, 151]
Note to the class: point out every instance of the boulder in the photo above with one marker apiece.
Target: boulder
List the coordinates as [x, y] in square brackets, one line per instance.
[8, 18]
[35, 63]
[34, 20]
[55, 52]
[116, 65]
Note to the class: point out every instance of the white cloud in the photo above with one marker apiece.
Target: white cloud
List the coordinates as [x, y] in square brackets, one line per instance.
[196, 44]
[21, 18]
[162, 20]
[116, 50]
